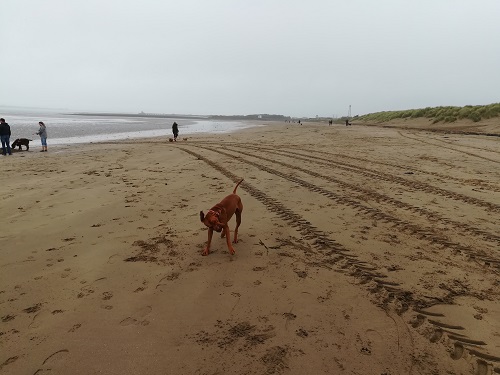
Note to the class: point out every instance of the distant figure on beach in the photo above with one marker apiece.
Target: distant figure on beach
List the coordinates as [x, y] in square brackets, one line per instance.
[330, 122]
[5, 137]
[42, 132]
[175, 130]
[347, 123]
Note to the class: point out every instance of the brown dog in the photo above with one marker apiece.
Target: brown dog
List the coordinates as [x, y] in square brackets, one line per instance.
[218, 217]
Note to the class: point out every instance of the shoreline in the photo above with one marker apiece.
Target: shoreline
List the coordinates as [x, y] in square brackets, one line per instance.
[351, 254]
[113, 132]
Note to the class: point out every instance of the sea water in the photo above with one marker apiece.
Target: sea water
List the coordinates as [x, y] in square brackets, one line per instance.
[69, 129]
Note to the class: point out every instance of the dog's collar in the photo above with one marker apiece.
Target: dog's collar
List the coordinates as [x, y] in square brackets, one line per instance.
[214, 212]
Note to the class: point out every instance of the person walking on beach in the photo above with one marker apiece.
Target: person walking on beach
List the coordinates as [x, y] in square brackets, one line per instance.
[42, 132]
[175, 130]
[5, 137]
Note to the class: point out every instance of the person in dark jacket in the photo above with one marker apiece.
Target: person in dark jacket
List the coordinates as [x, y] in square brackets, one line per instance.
[175, 130]
[5, 137]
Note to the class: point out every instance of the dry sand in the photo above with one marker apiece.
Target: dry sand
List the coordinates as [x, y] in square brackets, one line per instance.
[363, 250]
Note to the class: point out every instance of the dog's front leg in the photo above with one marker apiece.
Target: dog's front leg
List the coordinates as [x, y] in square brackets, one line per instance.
[238, 222]
[206, 250]
[228, 239]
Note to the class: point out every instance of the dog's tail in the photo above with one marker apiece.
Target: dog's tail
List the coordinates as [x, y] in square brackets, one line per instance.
[238, 184]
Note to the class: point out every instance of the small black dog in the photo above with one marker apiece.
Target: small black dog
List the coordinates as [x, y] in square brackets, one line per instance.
[22, 142]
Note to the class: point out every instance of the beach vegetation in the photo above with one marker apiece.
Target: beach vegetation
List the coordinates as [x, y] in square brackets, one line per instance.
[446, 114]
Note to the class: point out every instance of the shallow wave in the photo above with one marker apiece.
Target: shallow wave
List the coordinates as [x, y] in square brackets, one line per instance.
[71, 129]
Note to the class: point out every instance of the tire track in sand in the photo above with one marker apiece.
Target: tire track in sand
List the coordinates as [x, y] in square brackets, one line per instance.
[388, 293]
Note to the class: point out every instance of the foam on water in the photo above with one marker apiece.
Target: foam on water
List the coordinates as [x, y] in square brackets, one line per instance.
[71, 129]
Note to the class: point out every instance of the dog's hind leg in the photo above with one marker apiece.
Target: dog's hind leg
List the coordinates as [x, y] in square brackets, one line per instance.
[228, 239]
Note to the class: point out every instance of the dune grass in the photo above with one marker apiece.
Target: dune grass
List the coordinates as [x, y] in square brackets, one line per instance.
[439, 114]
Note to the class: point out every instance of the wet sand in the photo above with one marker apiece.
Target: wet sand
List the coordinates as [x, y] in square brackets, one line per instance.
[362, 250]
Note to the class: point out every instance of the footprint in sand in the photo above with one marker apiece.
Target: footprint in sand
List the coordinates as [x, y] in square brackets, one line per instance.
[89, 289]
[9, 361]
[75, 327]
[417, 321]
[137, 317]
[107, 295]
[33, 309]
[170, 277]
[66, 273]
[436, 336]
[40, 318]
[458, 352]
[113, 259]
[482, 368]
[51, 362]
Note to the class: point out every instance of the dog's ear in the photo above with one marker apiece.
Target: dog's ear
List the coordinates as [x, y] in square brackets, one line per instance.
[202, 216]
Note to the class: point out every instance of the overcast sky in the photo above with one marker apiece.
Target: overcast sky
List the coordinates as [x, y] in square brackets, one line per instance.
[291, 57]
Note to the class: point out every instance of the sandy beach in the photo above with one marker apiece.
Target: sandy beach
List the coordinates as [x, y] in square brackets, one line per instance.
[362, 250]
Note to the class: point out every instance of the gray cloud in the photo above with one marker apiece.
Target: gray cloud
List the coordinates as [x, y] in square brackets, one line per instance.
[240, 57]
